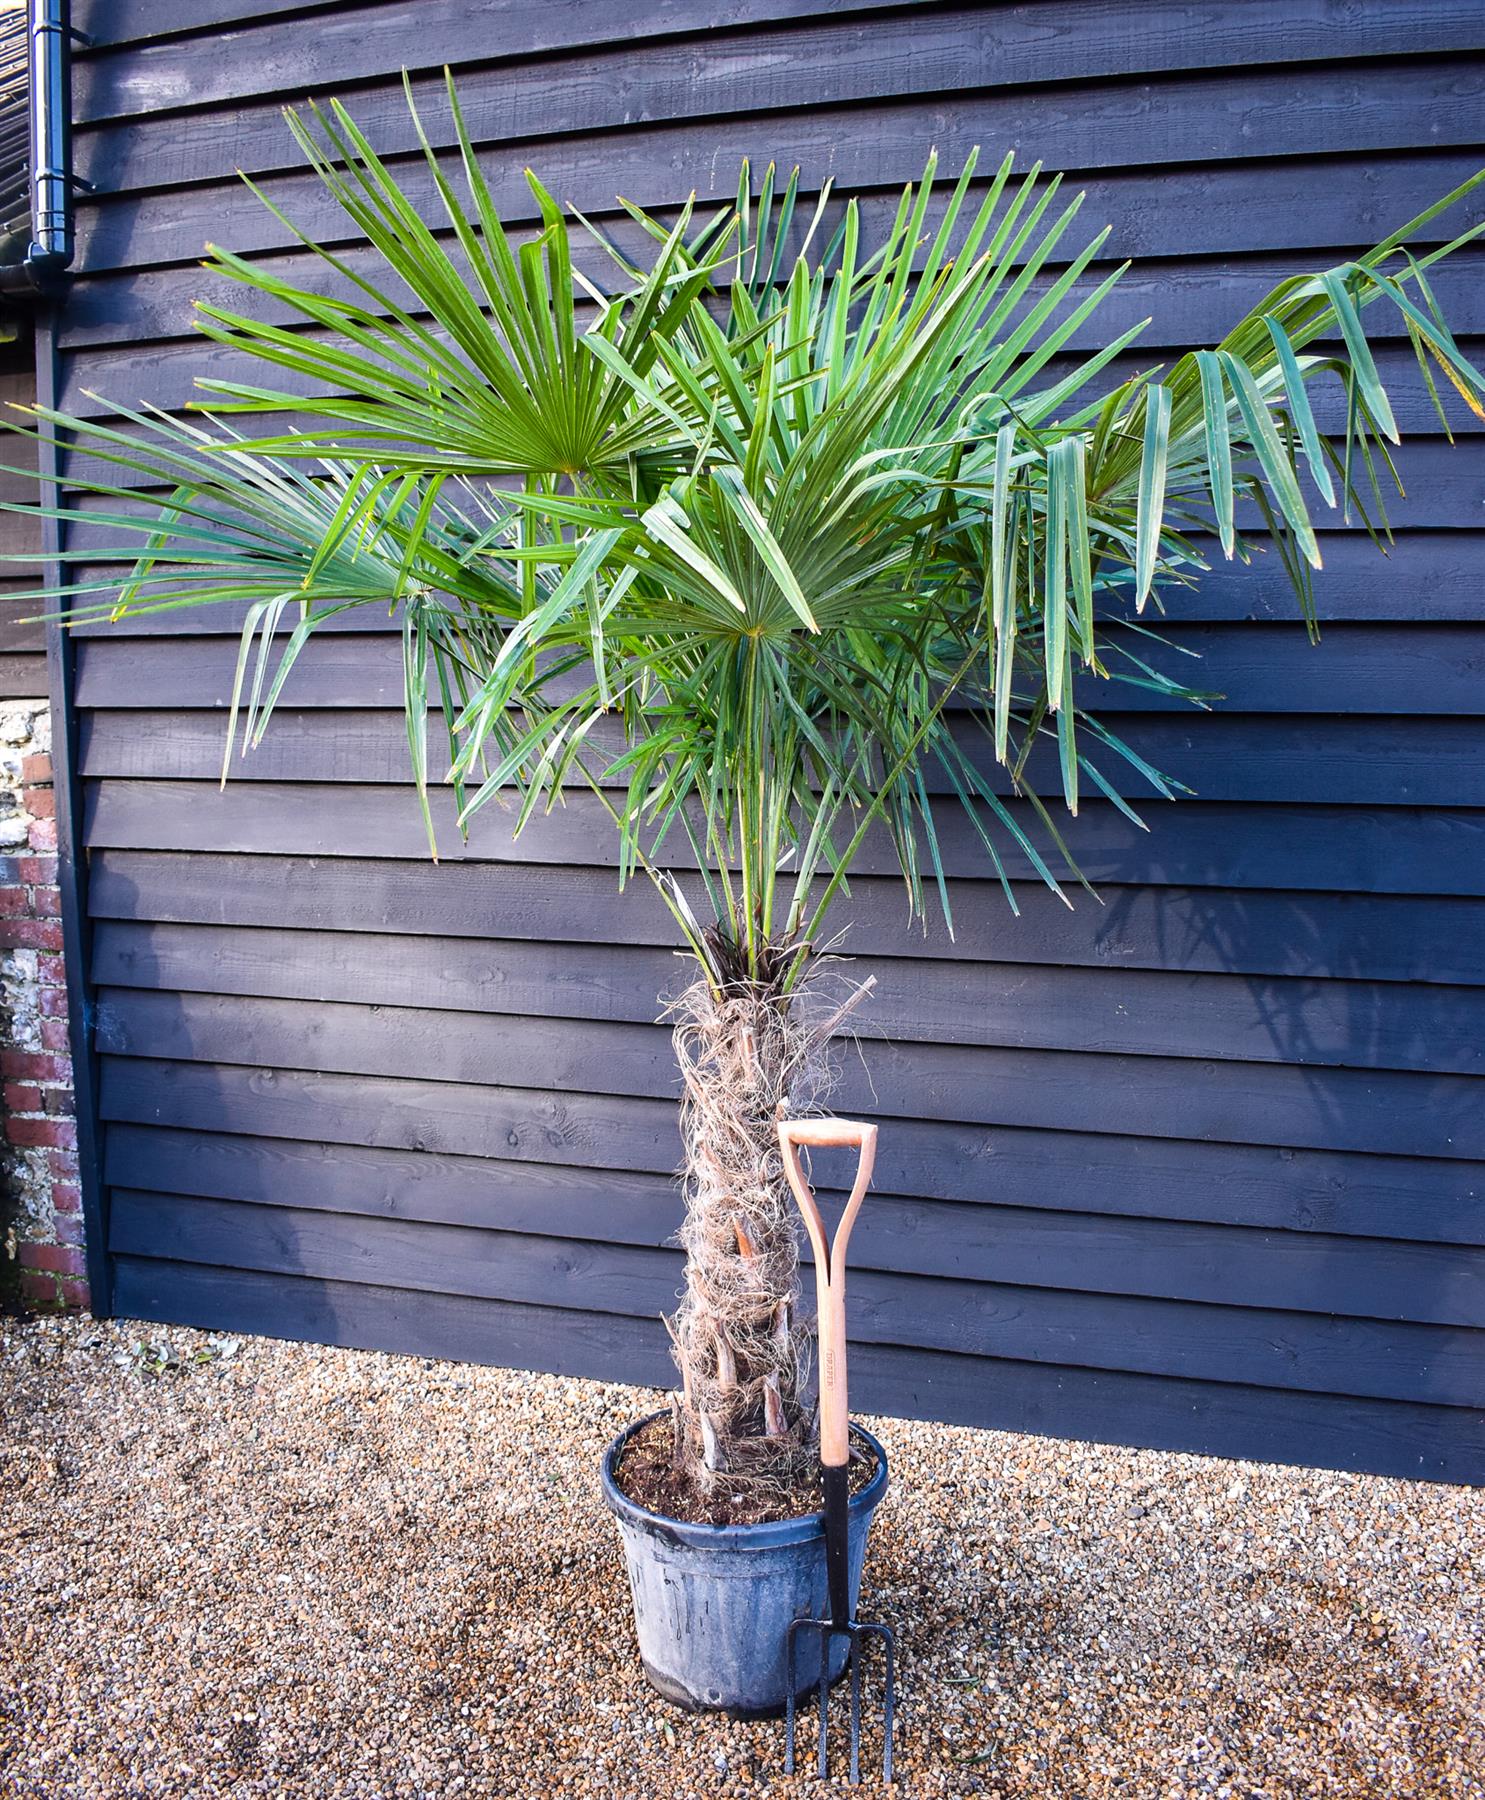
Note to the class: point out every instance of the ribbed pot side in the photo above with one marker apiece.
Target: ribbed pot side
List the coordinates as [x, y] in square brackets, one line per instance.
[712, 1603]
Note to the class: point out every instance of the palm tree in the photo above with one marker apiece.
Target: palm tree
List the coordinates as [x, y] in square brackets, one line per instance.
[771, 541]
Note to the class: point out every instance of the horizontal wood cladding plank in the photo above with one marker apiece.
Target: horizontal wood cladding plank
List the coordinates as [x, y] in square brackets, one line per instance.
[1318, 208]
[1194, 844]
[647, 81]
[1427, 1199]
[1056, 1236]
[1390, 1025]
[588, 1275]
[19, 383]
[801, 53]
[1218, 1419]
[1266, 1347]
[1329, 760]
[577, 1130]
[17, 479]
[1431, 1443]
[1383, 1111]
[23, 677]
[1102, 1251]
[1122, 124]
[545, 1199]
[495, 1051]
[19, 632]
[1397, 367]
[1342, 936]
[1438, 1364]
[1253, 667]
[1428, 761]
[1432, 578]
[369, 1318]
[20, 532]
[251, 54]
[111, 24]
[1255, 589]
[1180, 305]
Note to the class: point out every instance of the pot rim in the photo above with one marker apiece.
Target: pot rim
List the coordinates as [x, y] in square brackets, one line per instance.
[777, 1532]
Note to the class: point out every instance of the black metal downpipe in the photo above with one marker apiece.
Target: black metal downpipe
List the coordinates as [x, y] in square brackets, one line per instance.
[43, 269]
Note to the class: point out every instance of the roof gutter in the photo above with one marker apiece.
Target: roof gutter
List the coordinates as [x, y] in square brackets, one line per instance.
[43, 269]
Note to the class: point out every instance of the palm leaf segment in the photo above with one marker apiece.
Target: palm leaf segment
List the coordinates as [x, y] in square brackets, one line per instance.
[802, 536]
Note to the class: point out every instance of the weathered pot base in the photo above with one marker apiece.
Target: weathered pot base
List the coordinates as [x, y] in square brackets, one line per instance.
[676, 1696]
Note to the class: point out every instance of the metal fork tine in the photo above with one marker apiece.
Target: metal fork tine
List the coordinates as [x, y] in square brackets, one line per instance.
[855, 1710]
[792, 1665]
[825, 1632]
[824, 1703]
[888, 1644]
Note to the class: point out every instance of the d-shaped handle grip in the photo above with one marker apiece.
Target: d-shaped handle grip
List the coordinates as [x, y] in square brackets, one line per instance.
[827, 1133]
[830, 1264]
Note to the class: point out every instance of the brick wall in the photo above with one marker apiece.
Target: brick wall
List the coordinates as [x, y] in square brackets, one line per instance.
[41, 1256]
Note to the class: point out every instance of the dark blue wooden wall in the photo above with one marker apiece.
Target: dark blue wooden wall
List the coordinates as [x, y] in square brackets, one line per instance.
[22, 645]
[1195, 1167]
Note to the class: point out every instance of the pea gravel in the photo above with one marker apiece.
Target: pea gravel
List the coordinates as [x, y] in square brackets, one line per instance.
[242, 1567]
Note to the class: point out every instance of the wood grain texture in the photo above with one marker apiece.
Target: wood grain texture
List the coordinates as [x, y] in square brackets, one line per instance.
[1385, 1025]
[1379, 1359]
[1099, 1250]
[23, 677]
[653, 75]
[1316, 207]
[1433, 579]
[113, 24]
[1195, 844]
[1325, 109]
[1428, 1198]
[1216, 1418]
[1066, 40]
[1199, 1166]
[1394, 938]
[238, 54]
[1355, 669]
[1184, 304]
[1332, 760]
[1385, 1111]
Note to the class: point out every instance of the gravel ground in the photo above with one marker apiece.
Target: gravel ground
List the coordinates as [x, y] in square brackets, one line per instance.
[240, 1567]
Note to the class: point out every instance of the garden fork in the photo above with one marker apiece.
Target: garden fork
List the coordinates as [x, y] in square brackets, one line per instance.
[835, 1428]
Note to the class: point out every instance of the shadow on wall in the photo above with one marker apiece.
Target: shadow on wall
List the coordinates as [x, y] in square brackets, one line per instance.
[1380, 1071]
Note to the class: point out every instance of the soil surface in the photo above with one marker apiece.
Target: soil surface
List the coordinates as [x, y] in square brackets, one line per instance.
[647, 1473]
[235, 1569]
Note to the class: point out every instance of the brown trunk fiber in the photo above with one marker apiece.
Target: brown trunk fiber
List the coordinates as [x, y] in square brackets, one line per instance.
[747, 1062]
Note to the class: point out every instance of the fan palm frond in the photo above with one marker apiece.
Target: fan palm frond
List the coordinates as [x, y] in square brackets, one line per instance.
[805, 539]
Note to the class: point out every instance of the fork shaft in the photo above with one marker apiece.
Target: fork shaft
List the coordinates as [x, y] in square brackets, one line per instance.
[838, 1544]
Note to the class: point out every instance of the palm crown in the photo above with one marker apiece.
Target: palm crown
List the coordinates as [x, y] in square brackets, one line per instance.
[761, 535]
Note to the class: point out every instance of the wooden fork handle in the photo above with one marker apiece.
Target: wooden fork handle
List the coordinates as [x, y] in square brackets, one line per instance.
[830, 1264]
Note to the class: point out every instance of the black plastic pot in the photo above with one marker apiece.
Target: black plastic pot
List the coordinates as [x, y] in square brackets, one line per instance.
[712, 1603]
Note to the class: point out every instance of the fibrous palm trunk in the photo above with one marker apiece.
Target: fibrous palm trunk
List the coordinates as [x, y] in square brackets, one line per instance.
[750, 1054]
